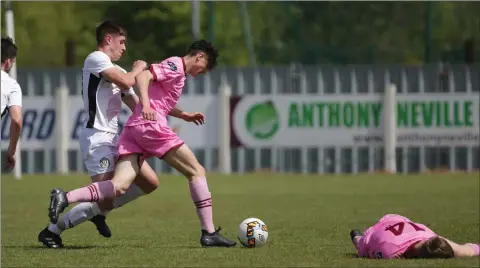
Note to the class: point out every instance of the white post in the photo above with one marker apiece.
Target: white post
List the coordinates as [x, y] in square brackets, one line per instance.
[389, 128]
[224, 152]
[17, 170]
[62, 113]
[10, 33]
[195, 19]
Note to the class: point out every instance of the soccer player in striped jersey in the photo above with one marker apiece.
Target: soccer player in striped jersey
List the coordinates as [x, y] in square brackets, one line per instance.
[105, 86]
[11, 99]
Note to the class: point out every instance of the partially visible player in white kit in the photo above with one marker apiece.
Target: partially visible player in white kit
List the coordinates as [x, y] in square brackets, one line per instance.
[11, 99]
[105, 85]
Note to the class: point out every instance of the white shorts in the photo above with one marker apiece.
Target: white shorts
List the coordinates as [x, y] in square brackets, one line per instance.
[99, 150]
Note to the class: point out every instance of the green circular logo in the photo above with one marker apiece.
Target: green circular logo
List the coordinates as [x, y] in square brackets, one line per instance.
[262, 120]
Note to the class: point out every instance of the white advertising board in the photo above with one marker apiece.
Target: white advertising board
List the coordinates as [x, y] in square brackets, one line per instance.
[347, 120]
[39, 119]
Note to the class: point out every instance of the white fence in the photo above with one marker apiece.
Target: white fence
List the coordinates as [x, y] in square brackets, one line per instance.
[444, 131]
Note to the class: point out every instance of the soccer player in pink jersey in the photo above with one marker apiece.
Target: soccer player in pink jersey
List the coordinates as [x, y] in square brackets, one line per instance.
[146, 133]
[396, 236]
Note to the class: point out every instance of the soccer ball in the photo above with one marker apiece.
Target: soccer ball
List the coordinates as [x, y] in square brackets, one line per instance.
[252, 233]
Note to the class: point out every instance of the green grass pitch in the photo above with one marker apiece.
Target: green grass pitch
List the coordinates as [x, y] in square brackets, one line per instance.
[309, 219]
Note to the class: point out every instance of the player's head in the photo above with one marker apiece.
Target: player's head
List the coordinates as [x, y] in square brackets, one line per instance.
[436, 248]
[202, 57]
[9, 53]
[112, 38]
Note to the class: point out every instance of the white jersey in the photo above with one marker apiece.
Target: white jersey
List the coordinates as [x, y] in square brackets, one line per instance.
[101, 98]
[11, 93]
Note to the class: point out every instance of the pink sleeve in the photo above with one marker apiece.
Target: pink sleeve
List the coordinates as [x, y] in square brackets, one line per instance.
[166, 70]
[362, 250]
[363, 242]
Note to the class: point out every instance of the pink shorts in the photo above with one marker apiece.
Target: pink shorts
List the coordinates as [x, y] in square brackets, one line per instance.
[148, 139]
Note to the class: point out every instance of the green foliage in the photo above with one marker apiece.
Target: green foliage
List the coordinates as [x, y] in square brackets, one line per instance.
[282, 32]
[41, 30]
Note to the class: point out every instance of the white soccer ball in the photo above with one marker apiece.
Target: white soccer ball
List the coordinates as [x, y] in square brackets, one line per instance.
[252, 233]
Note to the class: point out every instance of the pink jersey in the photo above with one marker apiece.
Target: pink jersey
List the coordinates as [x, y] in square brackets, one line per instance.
[391, 237]
[164, 91]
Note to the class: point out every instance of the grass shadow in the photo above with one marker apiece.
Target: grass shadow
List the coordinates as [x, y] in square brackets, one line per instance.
[350, 255]
[39, 247]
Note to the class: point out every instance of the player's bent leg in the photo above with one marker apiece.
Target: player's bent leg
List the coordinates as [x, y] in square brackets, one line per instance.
[101, 208]
[103, 190]
[147, 180]
[145, 183]
[50, 236]
[106, 204]
[79, 214]
[185, 162]
[59, 200]
[125, 172]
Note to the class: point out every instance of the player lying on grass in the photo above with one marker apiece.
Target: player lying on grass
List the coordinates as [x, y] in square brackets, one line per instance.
[146, 133]
[395, 236]
[105, 85]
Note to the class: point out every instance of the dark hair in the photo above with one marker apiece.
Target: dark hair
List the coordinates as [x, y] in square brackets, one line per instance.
[436, 248]
[9, 49]
[109, 27]
[207, 48]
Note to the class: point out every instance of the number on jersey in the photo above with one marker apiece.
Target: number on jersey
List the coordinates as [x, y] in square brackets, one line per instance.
[397, 228]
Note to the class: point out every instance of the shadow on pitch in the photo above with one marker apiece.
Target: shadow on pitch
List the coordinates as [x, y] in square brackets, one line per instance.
[170, 246]
[350, 255]
[40, 247]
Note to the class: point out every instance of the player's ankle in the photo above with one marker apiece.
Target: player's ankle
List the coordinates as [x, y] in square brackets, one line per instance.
[198, 172]
[54, 229]
[195, 178]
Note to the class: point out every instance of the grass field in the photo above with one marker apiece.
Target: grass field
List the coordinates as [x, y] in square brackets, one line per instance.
[309, 218]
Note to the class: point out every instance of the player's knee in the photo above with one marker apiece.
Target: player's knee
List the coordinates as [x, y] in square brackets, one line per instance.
[147, 181]
[196, 171]
[152, 186]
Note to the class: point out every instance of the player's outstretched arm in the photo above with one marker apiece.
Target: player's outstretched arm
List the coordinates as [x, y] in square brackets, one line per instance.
[465, 250]
[124, 80]
[195, 117]
[175, 112]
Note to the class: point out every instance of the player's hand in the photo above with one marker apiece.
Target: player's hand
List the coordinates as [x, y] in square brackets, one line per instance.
[148, 113]
[195, 117]
[11, 159]
[140, 65]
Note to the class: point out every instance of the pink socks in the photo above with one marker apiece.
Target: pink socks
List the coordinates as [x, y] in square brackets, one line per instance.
[203, 201]
[94, 192]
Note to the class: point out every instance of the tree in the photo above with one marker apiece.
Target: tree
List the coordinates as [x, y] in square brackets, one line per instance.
[282, 32]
